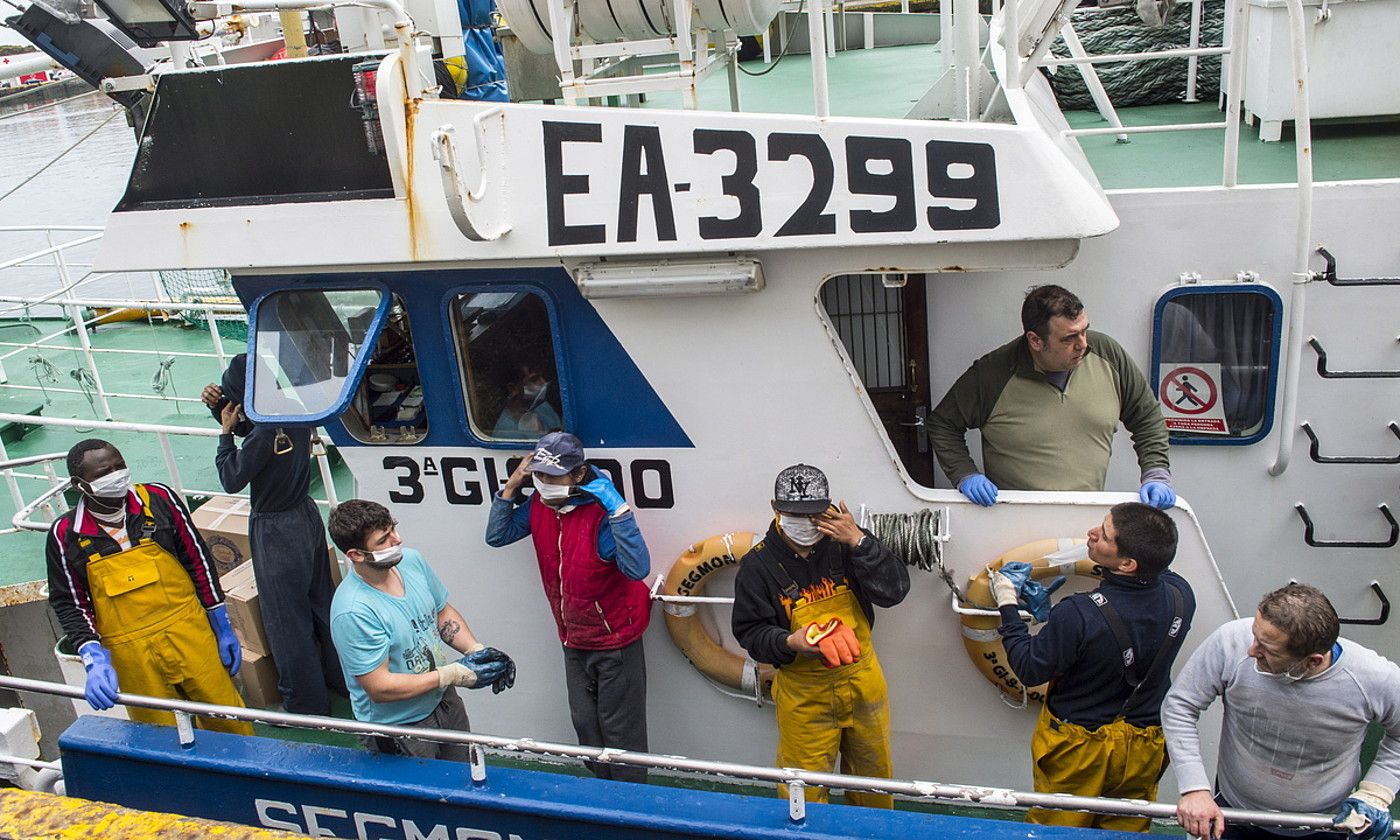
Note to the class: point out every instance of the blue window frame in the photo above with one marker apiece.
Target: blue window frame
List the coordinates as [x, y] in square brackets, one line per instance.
[1236, 327]
[308, 348]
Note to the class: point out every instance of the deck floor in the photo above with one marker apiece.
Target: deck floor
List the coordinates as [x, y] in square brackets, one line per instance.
[888, 81]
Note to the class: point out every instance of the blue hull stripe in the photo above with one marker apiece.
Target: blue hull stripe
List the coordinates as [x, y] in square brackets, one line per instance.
[337, 792]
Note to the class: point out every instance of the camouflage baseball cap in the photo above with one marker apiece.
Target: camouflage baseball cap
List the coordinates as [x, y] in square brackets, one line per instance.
[801, 489]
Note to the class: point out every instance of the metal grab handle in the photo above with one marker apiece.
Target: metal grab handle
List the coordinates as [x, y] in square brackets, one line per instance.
[1316, 543]
[1346, 374]
[1349, 459]
[1385, 608]
[1330, 274]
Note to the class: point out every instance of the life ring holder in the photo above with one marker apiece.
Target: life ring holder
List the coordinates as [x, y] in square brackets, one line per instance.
[980, 619]
[686, 582]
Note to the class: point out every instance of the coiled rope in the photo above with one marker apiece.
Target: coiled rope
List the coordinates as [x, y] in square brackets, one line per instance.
[1152, 82]
[917, 538]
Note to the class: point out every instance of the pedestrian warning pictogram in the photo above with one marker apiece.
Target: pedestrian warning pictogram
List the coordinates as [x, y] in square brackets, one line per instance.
[1190, 398]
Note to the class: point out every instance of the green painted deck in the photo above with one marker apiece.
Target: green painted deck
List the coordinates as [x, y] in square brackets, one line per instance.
[888, 81]
[22, 554]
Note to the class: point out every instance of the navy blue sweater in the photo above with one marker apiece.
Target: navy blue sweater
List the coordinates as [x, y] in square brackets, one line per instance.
[279, 482]
[1077, 650]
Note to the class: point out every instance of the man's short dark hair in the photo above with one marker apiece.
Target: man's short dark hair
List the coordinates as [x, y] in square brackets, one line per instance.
[1305, 616]
[1045, 302]
[1145, 534]
[353, 520]
[80, 450]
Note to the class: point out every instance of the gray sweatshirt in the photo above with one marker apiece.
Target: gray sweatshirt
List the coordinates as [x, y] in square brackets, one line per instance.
[1284, 745]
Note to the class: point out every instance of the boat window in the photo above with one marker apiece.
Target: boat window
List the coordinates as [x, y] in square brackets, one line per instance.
[309, 345]
[388, 405]
[509, 372]
[882, 324]
[1215, 356]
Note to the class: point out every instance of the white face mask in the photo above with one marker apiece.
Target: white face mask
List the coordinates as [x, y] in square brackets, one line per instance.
[1286, 675]
[553, 492]
[534, 392]
[385, 558]
[114, 485]
[799, 529]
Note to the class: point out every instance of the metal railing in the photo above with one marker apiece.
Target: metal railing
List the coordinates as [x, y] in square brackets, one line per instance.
[55, 257]
[796, 779]
[52, 501]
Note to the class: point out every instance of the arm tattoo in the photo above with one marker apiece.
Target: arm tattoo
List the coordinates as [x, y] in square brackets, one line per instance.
[448, 630]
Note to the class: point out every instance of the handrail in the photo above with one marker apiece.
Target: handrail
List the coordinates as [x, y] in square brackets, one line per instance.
[1330, 274]
[963, 794]
[1346, 374]
[1316, 455]
[1385, 609]
[1317, 543]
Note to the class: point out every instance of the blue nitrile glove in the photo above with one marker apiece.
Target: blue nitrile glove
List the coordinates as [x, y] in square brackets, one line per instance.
[1158, 494]
[979, 489]
[485, 673]
[1034, 596]
[603, 490]
[478, 659]
[101, 687]
[1366, 813]
[230, 652]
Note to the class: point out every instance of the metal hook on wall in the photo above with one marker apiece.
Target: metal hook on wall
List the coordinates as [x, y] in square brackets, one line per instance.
[1330, 273]
[1378, 620]
[1311, 540]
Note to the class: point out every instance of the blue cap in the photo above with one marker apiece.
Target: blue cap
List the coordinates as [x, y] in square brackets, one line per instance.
[557, 453]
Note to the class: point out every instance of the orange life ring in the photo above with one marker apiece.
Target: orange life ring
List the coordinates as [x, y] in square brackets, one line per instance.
[979, 632]
[687, 578]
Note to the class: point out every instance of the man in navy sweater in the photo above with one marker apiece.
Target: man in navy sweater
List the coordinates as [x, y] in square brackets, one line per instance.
[1109, 654]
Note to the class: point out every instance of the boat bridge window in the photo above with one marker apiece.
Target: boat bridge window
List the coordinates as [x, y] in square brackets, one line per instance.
[308, 345]
[509, 372]
[388, 405]
[883, 326]
[1215, 352]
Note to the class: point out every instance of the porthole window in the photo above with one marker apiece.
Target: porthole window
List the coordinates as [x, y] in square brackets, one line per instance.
[506, 352]
[1215, 353]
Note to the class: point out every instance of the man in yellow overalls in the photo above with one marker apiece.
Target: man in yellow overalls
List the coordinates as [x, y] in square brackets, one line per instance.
[134, 588]
[804, 601]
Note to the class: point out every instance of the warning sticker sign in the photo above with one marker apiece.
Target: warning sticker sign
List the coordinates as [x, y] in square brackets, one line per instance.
[1190, 398]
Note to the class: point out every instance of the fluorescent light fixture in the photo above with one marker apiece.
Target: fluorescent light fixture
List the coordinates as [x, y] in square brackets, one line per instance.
[669, 278]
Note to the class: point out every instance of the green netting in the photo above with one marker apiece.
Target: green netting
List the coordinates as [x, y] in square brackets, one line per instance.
[1155, 82]
[206, 286]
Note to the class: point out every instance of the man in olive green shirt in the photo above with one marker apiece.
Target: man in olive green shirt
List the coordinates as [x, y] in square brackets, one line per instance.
[1048, 404]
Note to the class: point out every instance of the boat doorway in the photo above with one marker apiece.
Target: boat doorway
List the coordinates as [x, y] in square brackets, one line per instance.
[883, 324]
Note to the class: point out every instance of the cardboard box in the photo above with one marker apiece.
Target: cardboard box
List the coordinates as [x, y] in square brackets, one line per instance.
[223, 522]
[244, 612]
[259, 678]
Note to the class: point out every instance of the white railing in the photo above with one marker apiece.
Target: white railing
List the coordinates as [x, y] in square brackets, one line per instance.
[51, 500]
[55, 257]
[795, 779]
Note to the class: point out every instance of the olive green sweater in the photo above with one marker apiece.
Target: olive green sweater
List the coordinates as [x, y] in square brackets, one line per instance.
[1035, 437]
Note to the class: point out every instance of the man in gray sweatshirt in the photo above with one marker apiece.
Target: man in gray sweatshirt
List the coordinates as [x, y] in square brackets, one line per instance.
[1297, 703]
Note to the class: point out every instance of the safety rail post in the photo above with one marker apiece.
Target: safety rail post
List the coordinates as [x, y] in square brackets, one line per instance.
[217, 339]
[184, 727]
[478, 762]
[15, 495]
[1238, 18]
[54, 510]
[1193, 62]
[318, 451]
[797, 800]
[86, 344]
[816, 45]
[170, 465]
[1011, 43]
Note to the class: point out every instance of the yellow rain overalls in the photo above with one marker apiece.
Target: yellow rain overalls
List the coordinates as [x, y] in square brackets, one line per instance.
[1118, 759]
[825, 710]
[156, 629]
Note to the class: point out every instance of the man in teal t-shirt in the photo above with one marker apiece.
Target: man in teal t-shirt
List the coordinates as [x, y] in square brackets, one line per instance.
[388, 619]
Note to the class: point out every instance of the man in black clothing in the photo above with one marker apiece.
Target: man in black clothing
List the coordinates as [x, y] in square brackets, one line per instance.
[288, 542]
[804, 601]
[1109, 653]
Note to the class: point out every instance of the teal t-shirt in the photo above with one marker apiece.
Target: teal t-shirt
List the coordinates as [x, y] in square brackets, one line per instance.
[370, 626]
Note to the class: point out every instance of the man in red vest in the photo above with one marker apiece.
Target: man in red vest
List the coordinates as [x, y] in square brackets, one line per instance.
[592, 561]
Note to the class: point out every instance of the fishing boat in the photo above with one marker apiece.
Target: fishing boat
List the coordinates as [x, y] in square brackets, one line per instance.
[715, 292]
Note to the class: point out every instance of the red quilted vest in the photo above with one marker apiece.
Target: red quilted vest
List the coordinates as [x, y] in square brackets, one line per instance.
[595, 606]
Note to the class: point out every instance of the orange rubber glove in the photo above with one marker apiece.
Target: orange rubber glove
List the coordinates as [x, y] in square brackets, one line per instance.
[836, 641]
